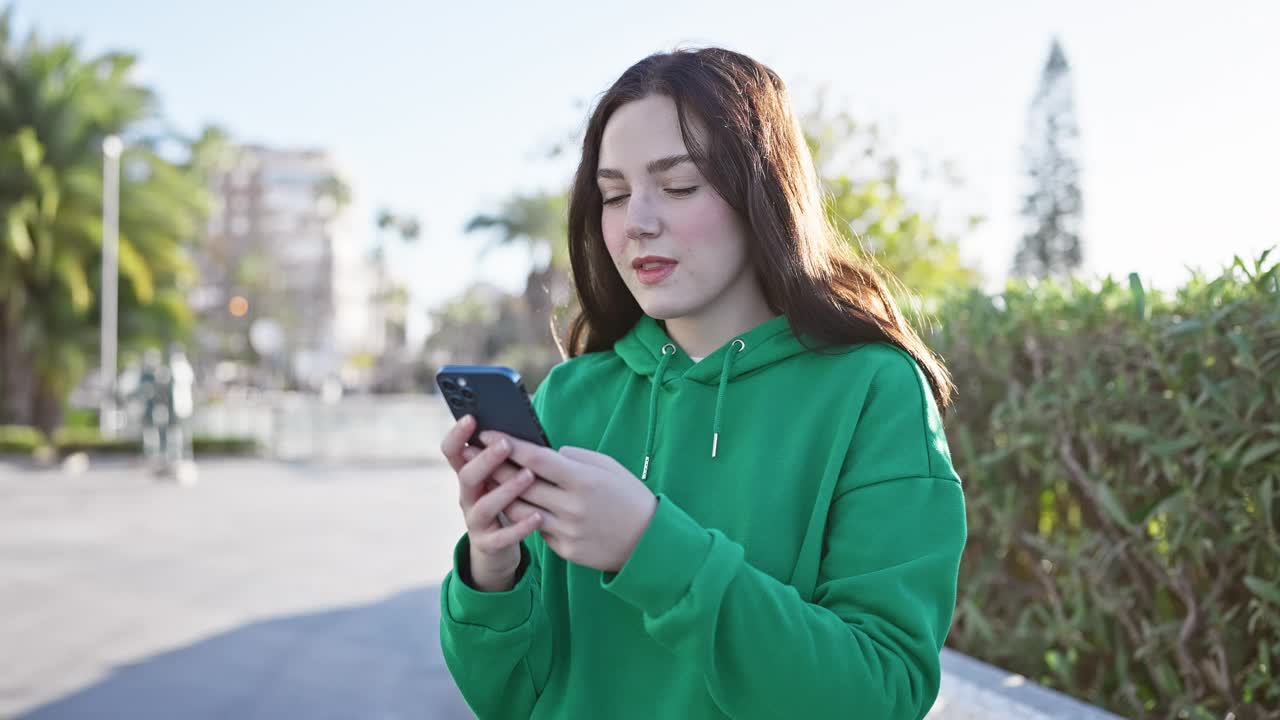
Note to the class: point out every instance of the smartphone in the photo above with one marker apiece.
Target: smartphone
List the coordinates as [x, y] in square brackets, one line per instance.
[495, 396]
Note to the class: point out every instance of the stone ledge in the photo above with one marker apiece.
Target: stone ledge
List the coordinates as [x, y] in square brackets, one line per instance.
[974, 690]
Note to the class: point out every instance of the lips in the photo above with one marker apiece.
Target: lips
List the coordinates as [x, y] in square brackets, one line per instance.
[651, 270]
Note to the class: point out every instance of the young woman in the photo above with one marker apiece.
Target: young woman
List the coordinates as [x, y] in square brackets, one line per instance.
[751, 511]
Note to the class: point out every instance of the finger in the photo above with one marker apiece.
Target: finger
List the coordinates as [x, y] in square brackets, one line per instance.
[550, 522]
[553, 498]
[468, 494]
[519, 510]
[509, 535]
[479, 468]
[458, 436]
[543, 461]
[454, 441]
[491, 503]
[485, 514]
[589, 457]
[506, 471]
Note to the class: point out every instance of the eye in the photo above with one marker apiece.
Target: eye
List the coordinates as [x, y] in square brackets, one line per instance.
[616, 199]
[682, 192]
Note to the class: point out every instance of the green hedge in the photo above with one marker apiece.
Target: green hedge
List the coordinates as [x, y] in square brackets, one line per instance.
[224, 446]
[81, 417]
[23, 440]
[1121, 452]
[20, 439]
[86, 439]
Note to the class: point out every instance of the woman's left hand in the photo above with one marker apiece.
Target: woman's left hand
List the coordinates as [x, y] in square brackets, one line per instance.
[595, 509]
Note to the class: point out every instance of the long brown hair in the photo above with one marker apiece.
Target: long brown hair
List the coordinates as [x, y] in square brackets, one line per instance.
[756, 158]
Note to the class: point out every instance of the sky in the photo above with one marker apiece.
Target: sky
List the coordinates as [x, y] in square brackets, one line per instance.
[444, 109]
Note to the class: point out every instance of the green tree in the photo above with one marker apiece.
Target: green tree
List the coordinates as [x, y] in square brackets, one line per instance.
[55, 110]
[538, 220]
[865, 204]
[1052, 208]
[407, 228]
[868, 206]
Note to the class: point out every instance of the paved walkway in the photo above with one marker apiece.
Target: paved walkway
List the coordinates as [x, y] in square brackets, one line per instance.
[267, 590]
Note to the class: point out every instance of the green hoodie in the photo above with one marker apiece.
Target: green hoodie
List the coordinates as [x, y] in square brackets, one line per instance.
[801, 562]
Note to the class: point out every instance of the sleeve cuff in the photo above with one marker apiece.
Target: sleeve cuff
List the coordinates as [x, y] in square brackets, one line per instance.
[663, 564]
[498, 611]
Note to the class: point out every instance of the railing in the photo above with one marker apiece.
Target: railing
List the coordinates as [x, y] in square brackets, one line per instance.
[356, 428]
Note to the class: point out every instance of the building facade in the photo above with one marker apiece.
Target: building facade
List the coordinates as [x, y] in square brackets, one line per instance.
[286, 246]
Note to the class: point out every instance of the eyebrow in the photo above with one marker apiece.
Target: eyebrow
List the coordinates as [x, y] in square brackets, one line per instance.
[654, 167]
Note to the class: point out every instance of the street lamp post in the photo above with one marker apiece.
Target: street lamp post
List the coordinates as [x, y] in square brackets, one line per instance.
[112, 146]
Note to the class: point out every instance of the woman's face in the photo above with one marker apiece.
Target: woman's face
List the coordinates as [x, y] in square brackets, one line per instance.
[679, 247]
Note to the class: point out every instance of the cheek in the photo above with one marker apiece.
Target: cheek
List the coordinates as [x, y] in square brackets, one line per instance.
[710, 229]
[612, 227]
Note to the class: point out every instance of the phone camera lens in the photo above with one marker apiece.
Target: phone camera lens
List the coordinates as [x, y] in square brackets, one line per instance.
[468, 394]
[449, 386]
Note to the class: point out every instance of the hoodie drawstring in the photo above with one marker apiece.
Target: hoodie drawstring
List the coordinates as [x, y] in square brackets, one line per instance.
[668, 352]
[729, 355]
[653, 404]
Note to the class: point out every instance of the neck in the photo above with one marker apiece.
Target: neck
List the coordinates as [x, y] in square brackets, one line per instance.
[701, 333]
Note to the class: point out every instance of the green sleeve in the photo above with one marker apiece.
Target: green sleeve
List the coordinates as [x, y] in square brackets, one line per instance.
[867, 643]
[497, 645]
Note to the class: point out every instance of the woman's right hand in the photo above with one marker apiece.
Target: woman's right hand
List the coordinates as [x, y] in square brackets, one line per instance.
[495, 550]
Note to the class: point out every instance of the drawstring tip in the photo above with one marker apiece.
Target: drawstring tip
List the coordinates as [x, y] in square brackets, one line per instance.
[715, 442]
[645, 473]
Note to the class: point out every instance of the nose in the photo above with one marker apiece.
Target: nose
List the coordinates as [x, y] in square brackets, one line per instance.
[642, 218]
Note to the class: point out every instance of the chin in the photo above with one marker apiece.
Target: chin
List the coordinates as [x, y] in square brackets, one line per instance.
[660, 308]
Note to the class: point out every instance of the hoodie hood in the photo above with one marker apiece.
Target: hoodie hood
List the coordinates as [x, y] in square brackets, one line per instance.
[767, 343]
[650, 352]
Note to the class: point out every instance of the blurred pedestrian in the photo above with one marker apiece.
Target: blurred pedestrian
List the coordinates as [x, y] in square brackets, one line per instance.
[178, 455]
[149, 394]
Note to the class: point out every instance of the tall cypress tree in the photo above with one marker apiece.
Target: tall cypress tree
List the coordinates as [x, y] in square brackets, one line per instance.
[1051, 244]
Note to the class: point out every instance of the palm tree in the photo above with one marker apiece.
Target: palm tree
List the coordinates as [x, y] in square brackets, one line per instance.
[391, 372]
[539, 220]
[55, 110]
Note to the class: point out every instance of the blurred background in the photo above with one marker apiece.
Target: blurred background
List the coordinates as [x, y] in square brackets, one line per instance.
[237, 239]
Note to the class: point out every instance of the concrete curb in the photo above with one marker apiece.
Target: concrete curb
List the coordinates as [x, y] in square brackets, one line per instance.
[972, 688]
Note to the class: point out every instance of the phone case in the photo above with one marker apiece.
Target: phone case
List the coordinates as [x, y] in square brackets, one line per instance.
[495, 396]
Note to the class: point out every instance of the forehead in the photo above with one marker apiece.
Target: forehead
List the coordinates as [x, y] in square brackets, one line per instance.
[640, 131]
